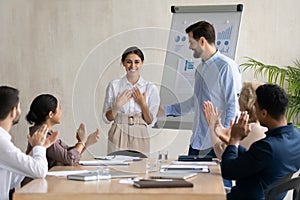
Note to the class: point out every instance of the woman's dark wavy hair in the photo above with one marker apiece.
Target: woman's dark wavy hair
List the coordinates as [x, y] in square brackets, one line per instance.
[40, 108]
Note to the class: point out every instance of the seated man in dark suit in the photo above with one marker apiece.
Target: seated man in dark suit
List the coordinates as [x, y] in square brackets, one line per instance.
[268, 159]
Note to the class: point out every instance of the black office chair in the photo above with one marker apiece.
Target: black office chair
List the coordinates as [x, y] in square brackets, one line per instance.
[282, 186]
[132, 153]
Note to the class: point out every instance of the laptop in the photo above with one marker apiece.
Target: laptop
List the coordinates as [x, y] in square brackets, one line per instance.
[85, 176]
[114, 157]
[93, 175]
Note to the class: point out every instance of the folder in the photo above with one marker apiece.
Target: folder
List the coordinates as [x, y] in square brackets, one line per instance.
[162, 183]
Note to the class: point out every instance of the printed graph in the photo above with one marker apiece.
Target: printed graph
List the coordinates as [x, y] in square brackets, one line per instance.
[224, 35]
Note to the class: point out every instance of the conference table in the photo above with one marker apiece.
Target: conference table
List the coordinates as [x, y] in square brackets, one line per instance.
[208, 186]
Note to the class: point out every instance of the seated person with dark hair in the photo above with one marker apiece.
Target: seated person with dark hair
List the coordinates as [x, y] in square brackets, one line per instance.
[268, 159]
[14, 164]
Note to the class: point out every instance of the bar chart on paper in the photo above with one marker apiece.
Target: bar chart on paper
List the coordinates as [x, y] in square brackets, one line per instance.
[224, 39]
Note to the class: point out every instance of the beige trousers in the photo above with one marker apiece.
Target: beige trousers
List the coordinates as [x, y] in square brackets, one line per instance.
[128, 132]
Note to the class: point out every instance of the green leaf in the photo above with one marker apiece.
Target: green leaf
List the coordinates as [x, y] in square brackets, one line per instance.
[288, 77]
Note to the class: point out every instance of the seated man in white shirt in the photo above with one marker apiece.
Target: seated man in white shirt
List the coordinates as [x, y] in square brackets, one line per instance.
[14, 164]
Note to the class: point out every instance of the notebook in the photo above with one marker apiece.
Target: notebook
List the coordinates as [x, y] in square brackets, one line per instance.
[161, 184]
[172, 175]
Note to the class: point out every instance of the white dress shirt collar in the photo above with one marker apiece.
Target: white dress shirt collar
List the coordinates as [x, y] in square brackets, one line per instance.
[5, 133]
[140, 82]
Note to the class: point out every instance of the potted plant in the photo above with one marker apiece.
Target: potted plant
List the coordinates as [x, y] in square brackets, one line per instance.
[288, 77]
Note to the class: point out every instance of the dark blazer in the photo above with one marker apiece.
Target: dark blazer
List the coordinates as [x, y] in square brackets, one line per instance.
[266, 161]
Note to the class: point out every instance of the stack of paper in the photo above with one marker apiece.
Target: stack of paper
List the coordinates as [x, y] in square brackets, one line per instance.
[65, 173]
[102, 162]
[118, 157]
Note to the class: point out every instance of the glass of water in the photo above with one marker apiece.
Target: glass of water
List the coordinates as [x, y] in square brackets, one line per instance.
[162, 156]
[151, 165]
[104, 173]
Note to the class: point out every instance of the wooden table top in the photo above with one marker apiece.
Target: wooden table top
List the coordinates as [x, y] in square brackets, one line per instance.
[206, 186]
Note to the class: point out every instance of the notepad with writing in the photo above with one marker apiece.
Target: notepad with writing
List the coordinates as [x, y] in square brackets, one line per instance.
[162, 183]
[172, 175]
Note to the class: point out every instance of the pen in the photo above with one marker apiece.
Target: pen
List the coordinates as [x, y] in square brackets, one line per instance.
[156, 180]
[170, 168]
[135, 178]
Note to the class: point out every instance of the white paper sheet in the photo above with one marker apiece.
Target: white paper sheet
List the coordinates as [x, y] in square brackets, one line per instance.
[65, 173]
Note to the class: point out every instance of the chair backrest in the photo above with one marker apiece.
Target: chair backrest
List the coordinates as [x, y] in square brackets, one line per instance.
[132, 153]
[283, 186]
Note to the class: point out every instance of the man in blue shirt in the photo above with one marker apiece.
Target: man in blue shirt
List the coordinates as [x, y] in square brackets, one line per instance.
[268, 159]
[217, 79]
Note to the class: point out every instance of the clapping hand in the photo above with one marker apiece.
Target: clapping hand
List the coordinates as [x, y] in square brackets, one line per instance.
[51, 139]
[211, 114]
[213, 119]
[123, 98]
[92, 138]
[39, 137]
[240, 127]
[161, 111]
[81, 133]
[140, 98]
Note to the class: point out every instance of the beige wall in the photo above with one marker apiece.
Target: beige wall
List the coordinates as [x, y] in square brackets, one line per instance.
[71, 49]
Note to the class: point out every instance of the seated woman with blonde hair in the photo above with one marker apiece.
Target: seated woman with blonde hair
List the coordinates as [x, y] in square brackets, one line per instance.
[220, 135]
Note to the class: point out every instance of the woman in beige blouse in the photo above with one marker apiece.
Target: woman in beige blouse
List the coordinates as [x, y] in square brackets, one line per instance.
[246, 102]
[131, 104]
